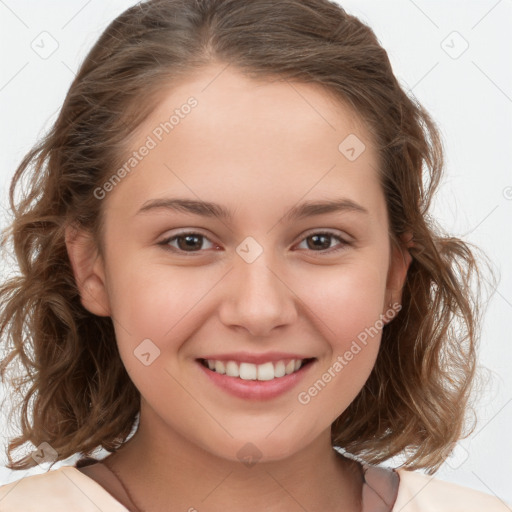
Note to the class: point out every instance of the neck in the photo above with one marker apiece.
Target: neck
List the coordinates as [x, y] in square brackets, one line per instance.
[162, 470]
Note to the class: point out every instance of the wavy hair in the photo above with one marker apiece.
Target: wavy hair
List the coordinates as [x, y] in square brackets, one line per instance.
[75, 393]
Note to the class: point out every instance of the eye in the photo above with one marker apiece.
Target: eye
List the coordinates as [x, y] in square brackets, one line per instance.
[192, 242]
[186, 241]
[321, 240]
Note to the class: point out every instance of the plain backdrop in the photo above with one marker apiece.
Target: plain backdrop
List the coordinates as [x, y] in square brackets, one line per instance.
[453, 56]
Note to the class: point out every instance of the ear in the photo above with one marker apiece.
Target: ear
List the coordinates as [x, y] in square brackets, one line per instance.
[88, 269]
[398, 266]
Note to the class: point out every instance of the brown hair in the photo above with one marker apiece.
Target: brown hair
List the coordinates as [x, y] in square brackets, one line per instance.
[416, 397]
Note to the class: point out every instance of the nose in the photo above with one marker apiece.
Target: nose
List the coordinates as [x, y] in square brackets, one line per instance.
[257, 298]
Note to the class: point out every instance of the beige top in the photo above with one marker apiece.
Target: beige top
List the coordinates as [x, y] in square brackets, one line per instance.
[384, 490]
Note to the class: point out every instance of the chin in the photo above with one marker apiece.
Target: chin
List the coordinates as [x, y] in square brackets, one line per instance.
[257, 450]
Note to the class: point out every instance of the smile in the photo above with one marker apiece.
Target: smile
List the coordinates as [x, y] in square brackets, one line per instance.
[248, 371]
[255, 381]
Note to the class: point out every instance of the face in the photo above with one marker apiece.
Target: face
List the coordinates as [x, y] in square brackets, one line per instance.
[182, 284]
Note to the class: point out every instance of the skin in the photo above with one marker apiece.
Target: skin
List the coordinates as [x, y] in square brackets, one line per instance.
[257, 148]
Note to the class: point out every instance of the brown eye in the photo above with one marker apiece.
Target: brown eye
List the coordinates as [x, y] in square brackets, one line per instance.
[186, 242]
[321, 242]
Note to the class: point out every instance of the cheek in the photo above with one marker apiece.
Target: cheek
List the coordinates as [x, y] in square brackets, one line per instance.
[156, 309]
[161, 303]
[347, 306]
[151, 300]
[335, 305]
[346, 299]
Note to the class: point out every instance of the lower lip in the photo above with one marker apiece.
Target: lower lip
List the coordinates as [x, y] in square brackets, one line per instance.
[256, 389]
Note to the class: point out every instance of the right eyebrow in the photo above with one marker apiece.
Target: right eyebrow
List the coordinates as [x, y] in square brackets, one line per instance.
[203, 208]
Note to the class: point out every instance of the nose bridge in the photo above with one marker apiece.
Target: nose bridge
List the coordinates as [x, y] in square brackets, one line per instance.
[258, 299]
[258, 281]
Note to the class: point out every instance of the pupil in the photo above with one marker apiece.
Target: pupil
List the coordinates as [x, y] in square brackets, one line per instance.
[188, 239]
[317, 237]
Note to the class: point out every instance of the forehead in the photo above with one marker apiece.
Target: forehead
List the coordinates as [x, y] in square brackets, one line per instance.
[227, 98]
[245, 138]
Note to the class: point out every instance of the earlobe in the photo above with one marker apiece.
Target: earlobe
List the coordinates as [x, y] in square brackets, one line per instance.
[88, 270]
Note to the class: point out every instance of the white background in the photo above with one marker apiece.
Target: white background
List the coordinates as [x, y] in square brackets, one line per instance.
[470, 97]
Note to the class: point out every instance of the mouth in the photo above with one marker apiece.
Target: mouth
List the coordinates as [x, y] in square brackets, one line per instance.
[253, 382]
[271, 370]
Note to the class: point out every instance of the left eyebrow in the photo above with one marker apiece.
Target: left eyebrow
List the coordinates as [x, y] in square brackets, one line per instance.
[209, 209]
[311, 208]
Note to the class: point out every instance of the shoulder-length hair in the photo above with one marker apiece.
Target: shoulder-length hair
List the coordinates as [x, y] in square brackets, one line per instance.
[81, 397]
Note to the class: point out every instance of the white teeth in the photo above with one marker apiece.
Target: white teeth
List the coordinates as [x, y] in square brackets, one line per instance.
[290, 367]
[248, 371]
[230, 369]
[265, 371]
[279, 369]
[219, 367]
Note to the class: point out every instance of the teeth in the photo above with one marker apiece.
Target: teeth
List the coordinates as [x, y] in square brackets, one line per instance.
[248, 371]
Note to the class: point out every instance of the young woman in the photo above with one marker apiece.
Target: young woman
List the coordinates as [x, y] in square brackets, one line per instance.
[226, 243]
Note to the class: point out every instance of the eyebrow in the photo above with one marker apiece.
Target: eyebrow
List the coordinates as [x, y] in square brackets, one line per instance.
[209, 209]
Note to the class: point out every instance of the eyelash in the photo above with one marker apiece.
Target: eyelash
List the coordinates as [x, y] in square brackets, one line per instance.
[166, 246]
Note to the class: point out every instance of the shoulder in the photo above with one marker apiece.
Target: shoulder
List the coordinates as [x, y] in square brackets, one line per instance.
[418, 492]
[65, 488]
[387, 490]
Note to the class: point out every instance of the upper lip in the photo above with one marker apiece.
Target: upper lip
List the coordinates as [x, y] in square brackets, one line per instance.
[246, 357]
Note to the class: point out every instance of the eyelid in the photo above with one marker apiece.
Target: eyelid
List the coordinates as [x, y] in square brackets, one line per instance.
[341, 237]
[332, 233]
[195, 231]
[335, 233]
